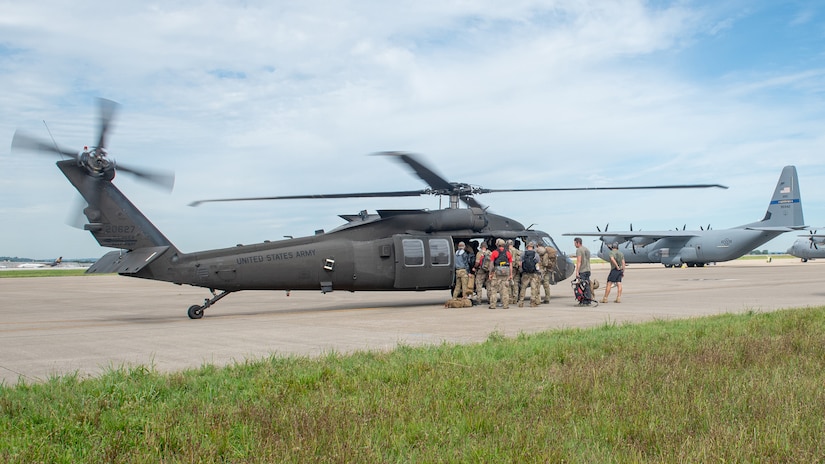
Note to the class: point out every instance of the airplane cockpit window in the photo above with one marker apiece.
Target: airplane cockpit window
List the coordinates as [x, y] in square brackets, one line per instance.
[439, 252]
[413, 252]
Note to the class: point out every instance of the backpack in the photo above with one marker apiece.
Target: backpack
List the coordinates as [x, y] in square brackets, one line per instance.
[502, 264]
[548, 258]
[486, 262]
[528, 262]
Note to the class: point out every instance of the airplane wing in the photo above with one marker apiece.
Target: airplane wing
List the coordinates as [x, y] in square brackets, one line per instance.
[627, 235]
[777, 229]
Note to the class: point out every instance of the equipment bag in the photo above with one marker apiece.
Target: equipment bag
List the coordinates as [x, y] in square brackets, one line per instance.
[528, 264]
[486, 262]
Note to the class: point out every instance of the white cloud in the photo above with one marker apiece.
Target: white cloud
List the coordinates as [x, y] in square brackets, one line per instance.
[254, 98]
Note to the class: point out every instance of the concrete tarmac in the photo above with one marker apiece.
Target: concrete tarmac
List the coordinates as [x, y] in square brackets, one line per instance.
[53, 326]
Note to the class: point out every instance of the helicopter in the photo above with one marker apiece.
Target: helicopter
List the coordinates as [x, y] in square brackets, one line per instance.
[402, 250]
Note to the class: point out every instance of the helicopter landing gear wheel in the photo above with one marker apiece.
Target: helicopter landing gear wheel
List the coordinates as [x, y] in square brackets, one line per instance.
[195, 312]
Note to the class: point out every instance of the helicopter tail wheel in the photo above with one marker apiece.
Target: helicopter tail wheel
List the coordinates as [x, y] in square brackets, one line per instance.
[195, 312]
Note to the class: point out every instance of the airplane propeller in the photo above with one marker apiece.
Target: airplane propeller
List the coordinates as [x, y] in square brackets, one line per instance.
[438, 185]
[812, 239]
[601, 239]
[631, 243]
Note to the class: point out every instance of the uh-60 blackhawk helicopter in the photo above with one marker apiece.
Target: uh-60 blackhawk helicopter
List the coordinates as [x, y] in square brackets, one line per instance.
[390, 250]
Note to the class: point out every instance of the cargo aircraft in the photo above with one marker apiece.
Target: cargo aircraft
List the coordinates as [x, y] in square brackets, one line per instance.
[811, 247]
[675, 248]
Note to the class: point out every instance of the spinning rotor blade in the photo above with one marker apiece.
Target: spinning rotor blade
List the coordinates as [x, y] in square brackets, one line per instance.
[107, 113]
[96, 162]
[23, 141]
[471, 202]
[441, 186]
[162, 179]
[425, 173]
[402, 193]
[645, 187]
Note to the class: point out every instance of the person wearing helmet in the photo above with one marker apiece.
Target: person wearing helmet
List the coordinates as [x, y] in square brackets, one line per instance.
[499, 280]
[617, 266]
[530, 272]
[547, 258]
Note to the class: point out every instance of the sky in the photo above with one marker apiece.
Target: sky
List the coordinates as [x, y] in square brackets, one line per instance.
[252, 98]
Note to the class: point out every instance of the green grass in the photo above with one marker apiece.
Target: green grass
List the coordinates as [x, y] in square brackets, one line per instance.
[41, 273]
[746, 388]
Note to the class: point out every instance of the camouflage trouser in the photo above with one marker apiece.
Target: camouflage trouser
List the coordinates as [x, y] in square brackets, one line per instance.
[499, 284]
[481, 281]
[545, 282]
[531, 280]
[462, 287]
[515, 284]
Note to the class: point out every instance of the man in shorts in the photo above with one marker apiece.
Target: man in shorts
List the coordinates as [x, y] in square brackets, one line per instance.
[617, 266]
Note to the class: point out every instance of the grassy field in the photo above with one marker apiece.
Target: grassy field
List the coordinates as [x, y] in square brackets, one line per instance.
[12, 273]
[730, 388]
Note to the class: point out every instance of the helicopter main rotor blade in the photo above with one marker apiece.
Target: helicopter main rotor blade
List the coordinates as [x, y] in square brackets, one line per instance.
[402, 193]
[23, 141]
[421, 170]
[645, 187]
[163, 179]
[107, 113]
[471, 202]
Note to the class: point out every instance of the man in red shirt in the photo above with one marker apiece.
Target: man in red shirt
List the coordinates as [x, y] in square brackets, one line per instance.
[501, 275]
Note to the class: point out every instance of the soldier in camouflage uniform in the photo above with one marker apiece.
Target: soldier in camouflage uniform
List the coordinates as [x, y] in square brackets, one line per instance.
[530, 272]
[515, 284]
[547, 257]
[501, 275]
[482, 267]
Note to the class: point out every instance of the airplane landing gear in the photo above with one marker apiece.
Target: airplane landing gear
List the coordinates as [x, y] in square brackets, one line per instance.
[196, 311]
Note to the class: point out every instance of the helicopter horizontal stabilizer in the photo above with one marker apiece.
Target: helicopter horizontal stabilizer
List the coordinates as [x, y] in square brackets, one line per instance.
[126, 263]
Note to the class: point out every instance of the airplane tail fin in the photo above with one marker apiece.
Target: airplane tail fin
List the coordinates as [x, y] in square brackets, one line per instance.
[785, 209]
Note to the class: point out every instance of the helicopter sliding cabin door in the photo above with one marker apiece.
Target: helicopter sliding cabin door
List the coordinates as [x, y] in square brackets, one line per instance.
[423, 262]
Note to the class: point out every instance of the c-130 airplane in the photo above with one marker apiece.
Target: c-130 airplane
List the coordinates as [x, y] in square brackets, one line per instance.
[675, 248]
[811, 247]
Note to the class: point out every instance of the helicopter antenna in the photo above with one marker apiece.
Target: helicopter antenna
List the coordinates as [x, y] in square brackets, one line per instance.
[54, 142]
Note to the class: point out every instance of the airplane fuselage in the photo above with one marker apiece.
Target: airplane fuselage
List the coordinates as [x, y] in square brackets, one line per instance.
[803, 249]
[708, 246]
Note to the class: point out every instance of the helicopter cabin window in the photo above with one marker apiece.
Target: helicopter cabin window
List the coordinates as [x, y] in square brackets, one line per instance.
[439, 252]
[413, 252]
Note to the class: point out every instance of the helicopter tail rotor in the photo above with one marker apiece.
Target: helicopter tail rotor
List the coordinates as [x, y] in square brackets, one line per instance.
[95, 160]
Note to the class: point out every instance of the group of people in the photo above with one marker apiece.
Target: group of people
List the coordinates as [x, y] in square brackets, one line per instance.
[507, 271]
[504, 271]
[582, 272]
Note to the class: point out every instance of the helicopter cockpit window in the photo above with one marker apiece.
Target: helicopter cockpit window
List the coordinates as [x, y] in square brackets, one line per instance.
[439, 252]
[548, 242]
[413, 252]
